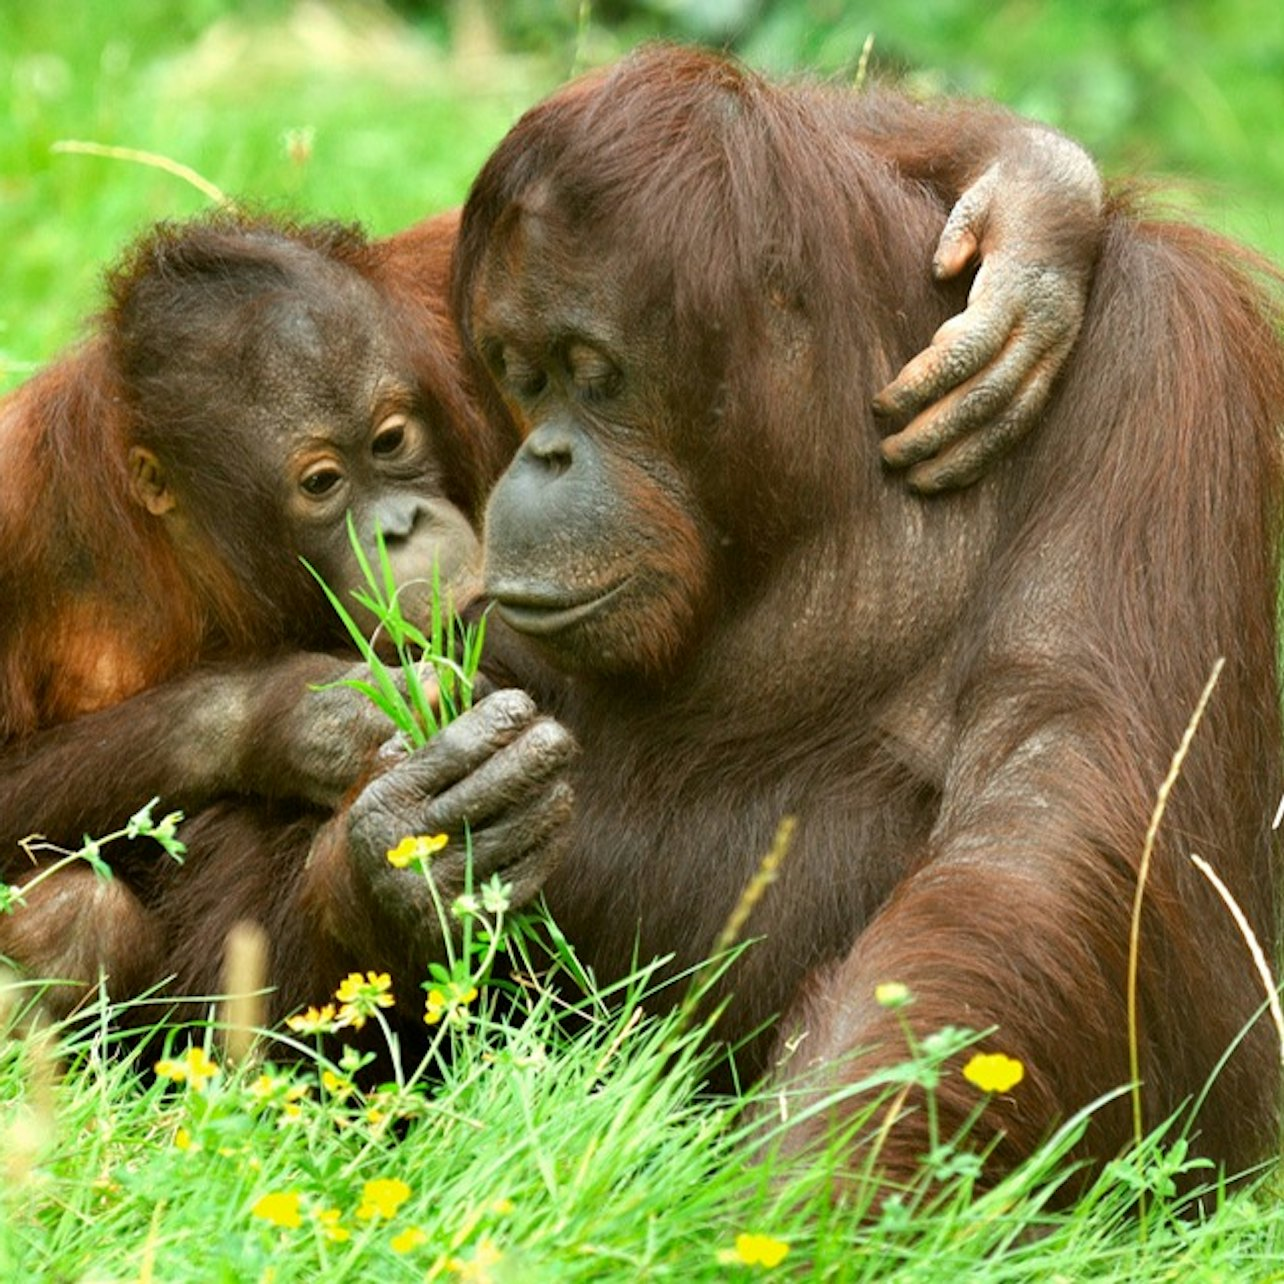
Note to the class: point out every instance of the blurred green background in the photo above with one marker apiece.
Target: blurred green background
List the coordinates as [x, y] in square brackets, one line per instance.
[382, 111]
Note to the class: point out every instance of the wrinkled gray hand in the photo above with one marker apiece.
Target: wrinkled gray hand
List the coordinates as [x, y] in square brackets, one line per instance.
[310, 736]
[495, 781]
[1035, 221]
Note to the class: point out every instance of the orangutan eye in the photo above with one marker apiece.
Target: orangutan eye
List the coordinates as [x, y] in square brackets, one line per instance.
[389, 437]
[320, 482]
[515, 373]
[531, 383]
[600, 387]
[595, 375]
[525, 378]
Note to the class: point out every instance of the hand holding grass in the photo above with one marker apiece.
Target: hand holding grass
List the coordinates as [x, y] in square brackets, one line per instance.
[495, 782]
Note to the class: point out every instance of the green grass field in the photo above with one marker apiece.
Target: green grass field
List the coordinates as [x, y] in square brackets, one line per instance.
[520, 1150]
[530, 1155]
[364, 121]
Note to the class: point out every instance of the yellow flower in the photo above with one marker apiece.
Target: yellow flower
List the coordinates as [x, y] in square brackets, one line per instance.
[336, 1086]
[451, 1002]
[755, 1250]
[416, 848]
[281, 1209]
[994, 1072]
[374, 987]
[183, 1140]
[382, 1198]
[291, 1113]
[409, 1240]
[313, 1021]
[435, 1007]
[502, 1207]
[328, 1220]
[264, 1088]
[892, 994]
[194, 1068]
[359, 997]
[477, 1267]
[277, 1089]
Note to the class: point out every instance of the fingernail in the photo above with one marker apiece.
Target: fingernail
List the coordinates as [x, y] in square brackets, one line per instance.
[891, 453]
[889, 400]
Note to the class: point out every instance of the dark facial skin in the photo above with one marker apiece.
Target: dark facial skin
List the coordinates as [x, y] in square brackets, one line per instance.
[598, 551]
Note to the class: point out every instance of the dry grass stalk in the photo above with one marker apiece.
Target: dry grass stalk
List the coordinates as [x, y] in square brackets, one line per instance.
[1143, 872]
[244, 980]
[1250, 939]
[77, 147]
[763, 877]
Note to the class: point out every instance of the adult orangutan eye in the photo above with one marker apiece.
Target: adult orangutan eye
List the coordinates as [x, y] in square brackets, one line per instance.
[599, 387]
[595, 375]
[525, 378]
[516, 374]
[389, 437]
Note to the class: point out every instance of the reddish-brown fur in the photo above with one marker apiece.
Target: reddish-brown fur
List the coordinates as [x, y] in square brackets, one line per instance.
[969, 705]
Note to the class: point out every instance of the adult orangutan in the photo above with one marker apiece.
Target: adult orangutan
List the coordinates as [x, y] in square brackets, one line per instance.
[241, 364]
[687, 284]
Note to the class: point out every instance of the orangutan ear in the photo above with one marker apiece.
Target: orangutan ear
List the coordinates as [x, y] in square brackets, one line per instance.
[147, 479]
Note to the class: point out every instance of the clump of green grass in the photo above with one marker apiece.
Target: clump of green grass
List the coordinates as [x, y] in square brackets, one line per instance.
[449, 652]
